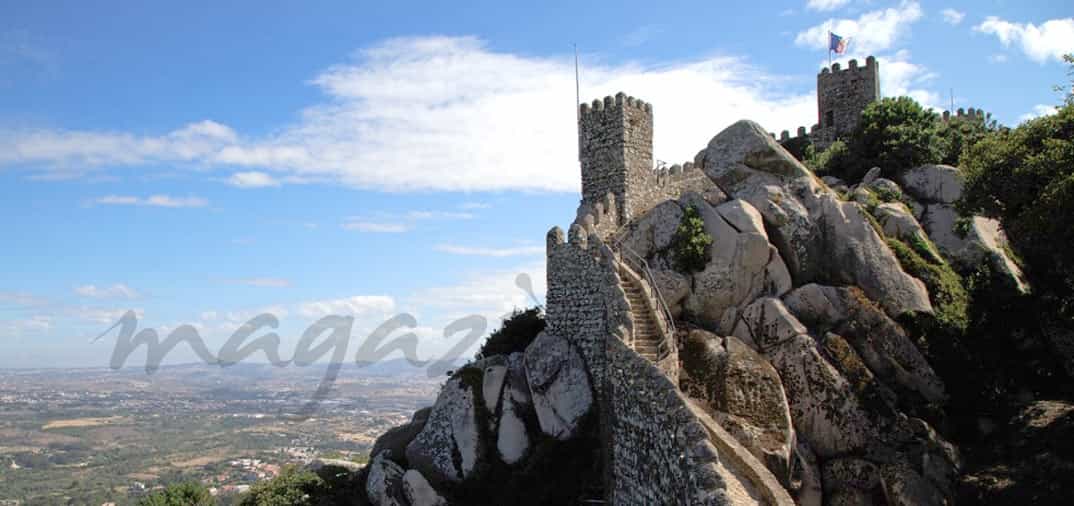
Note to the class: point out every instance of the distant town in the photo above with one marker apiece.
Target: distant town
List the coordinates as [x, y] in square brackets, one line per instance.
[98, 436]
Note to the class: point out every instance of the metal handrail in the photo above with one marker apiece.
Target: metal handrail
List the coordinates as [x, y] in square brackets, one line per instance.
[643, 268]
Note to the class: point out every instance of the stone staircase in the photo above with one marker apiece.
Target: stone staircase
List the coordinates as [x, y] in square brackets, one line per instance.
[647, 335]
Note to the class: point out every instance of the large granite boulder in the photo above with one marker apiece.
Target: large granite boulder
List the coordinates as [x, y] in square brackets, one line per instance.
[742, 266]
[933, 183]
[967, 242]
[654, 230]
[384, 484]
[744, 393]
[447, 448]
[897, 221]
[806, 477]
[880, 342]
[495, 374]
[824, 407]
[853, 480]
[396, 439]
[512, 437]
[419, 492]
[819, 236]
[559, 385]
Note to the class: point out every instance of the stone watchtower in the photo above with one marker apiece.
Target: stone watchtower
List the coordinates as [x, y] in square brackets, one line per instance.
[615, 141]
[841, 97]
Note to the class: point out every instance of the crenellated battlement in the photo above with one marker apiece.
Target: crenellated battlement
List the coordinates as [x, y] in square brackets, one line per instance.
[966, 114]
[800, 134]
[614, 105]
[852, 66]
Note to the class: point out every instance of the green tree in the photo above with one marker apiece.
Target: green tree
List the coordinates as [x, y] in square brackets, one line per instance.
[291, 488]
[516, 333]
[179, 494]
[690, 244]
[1025, 178]
[895, 134]
[960, 132]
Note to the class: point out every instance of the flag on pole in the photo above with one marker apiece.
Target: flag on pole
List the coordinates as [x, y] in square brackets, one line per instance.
[837, 43]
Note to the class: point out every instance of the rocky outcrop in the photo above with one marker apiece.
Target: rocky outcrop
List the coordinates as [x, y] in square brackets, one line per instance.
[820, 237]
[881, 343]
[419, 492]
[384, 485]
[744, 394]
[513, 440]
[933, 183]
[559, 385]
[743, 265]
[450, 430]
[966, 241]
[395, 440]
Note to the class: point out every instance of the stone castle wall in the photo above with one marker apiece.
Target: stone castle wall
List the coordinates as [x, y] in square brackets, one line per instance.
[659, 453]
[584, 302]
[841, 97]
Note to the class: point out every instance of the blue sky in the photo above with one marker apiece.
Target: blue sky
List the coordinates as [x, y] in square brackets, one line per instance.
[202, 163]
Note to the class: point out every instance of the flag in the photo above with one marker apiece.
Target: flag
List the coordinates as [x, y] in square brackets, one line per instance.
[837, 43]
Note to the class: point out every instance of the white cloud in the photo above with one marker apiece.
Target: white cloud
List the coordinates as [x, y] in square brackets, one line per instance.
[474, 205]
[152, 200]
[997, 58]
[72, 153]
[825, 5]
[21, 326]
[1050, 40]
[490, 252]
[1038, 111]
[491, 294]
[441, 113]
[398, 223]
[871, 32]
[105, 316]
[118, 290]
[375, 227]
[262, 282]
[899, 77]
[252, 179]
[358, 305]
[951, 16]
[438, 215]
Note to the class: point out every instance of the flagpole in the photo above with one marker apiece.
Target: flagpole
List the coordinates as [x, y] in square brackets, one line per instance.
[829, 48]
[577, 103]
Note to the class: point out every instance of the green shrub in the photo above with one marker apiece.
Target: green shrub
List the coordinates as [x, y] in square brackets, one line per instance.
[516, 333]
[1025, 178]
[961, 132]
[950, 300]
[690, 244]
[895, 134]
[832, 161]
[179, 494]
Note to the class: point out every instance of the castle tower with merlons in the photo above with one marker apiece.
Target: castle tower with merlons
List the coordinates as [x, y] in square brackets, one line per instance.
[842, 95]
[616, 148]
